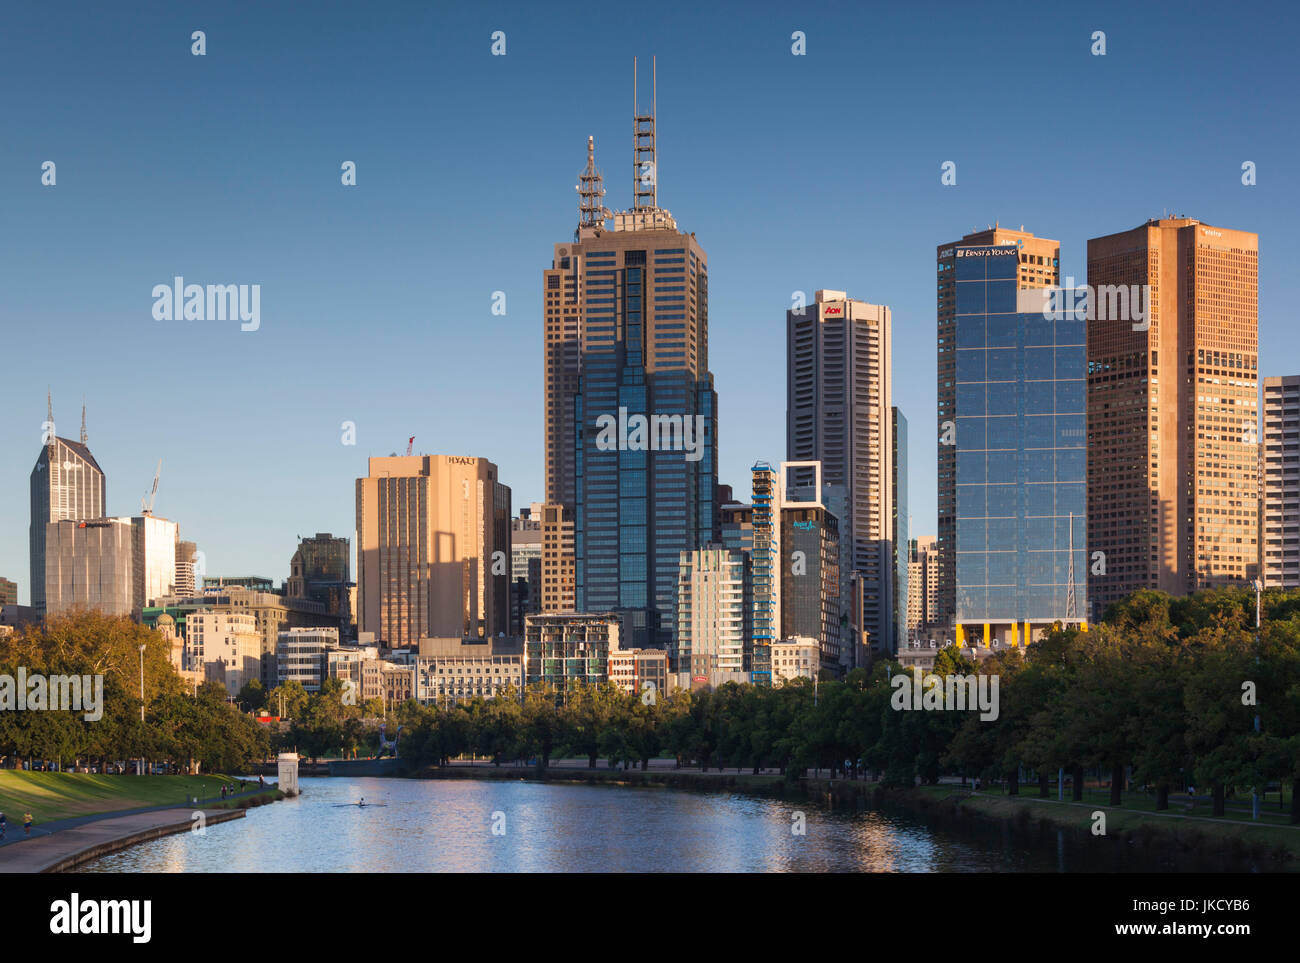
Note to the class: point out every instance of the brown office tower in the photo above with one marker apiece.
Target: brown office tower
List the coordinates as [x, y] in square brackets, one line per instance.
[433, 549]
[1173, 474]
[626, 344]
[1039, 268]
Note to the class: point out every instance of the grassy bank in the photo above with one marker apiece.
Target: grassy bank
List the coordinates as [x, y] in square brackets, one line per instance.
[61, 795]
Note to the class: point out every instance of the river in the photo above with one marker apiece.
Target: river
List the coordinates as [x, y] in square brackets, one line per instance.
[448, 826]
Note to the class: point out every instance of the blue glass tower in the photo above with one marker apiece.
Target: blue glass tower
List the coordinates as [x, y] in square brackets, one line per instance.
[1020, 453]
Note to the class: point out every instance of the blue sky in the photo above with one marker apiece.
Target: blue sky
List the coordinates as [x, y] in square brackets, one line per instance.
[795, 173]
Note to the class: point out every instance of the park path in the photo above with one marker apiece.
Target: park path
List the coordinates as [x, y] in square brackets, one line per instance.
[65, 843]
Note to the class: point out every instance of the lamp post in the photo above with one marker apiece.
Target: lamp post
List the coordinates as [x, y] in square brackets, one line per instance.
[142, 699]
[1254, 789]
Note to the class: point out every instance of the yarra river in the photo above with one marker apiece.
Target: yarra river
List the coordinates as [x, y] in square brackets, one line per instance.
[466, 825]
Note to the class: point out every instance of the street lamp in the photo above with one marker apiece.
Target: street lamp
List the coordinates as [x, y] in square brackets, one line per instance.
[142, 698]
[1254, 790]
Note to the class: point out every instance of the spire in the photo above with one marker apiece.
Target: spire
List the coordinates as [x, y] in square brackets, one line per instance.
[645, 171]
[591, 189]
[83, 419]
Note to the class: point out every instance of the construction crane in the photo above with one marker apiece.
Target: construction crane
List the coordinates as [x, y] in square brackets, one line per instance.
[410, 444]
[146, 508]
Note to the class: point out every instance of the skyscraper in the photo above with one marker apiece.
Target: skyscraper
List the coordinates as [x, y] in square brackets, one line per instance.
[631, 414]
[1280, 484]
[838, 384]
[1018, 448]
[1173, 380]
[1039, 268]
[433, 549]
[68, 483]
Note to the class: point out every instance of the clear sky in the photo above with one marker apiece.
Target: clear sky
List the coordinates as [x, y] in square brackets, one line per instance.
[795, 173]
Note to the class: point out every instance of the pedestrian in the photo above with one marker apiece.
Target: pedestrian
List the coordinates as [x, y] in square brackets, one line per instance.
[27, 824]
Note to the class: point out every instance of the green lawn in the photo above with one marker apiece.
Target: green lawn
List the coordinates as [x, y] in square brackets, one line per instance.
[59, 795]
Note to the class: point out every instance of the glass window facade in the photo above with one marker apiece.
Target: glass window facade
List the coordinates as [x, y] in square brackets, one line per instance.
[1020, 448]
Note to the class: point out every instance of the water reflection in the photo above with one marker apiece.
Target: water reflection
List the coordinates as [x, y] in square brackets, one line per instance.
[447, 826]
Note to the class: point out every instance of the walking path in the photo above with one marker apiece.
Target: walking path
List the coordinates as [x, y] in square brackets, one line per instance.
[63, 844]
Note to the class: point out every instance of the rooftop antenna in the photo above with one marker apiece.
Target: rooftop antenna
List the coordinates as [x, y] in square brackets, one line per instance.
[591, 191]
[83, 419]
[49, 416]
[645, 173]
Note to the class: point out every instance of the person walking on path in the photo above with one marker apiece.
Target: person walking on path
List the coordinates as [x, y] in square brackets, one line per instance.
[27, 824]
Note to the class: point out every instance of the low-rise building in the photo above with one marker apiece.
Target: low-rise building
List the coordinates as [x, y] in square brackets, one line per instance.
[451, 671]
[638, 671]
[563, 649]
[796, 658]
[302, 655]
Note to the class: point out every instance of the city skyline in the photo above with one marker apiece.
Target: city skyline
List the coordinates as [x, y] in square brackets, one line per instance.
[279, 396]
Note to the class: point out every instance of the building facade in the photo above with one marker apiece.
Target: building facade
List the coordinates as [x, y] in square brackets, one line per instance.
[712, 616]
[838, 413]
[302, 656]
[66, 484]
[433, 549]
[117, 566]
[1039, 267]
[1173, 432]
[1280, 484]
[563, 650]
[1019, 447]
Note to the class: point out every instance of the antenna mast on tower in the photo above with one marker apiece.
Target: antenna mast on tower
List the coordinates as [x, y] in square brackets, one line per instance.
[645, 173]
[591, 191]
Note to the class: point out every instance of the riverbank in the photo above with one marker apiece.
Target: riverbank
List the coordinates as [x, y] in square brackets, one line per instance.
[64, 851]
[1171, 840]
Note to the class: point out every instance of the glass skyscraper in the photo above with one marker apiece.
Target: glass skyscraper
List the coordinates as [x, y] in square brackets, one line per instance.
[1019, 443]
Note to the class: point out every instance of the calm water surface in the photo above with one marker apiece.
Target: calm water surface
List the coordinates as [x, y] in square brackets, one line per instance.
[445, 825]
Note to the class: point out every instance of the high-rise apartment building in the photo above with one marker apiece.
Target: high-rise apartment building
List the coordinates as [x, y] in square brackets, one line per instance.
[712, 621]
[630, 410]
[1019, 453]
[922, 585]
[838, 412]
[1039, 267]
[1173, 381]
[433, 549]
[67, 483]
[1280, 484]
